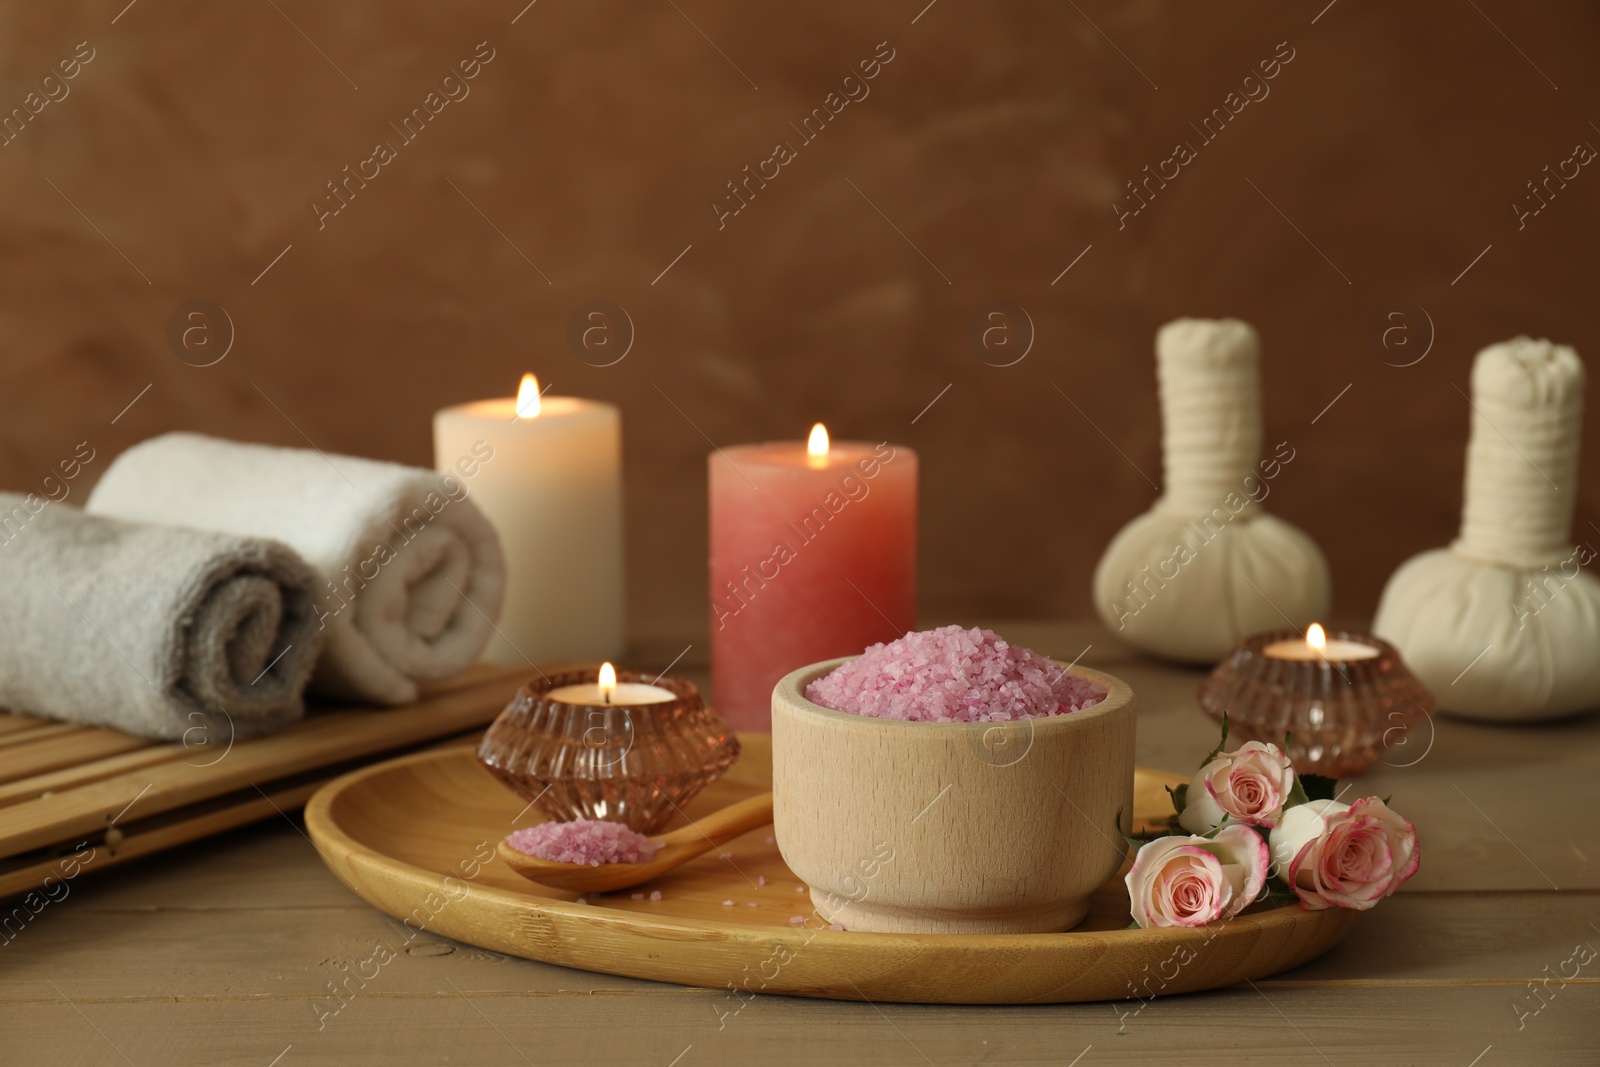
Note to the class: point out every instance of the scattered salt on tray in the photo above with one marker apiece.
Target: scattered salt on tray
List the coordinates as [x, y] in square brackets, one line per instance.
[953, 675]
[589, 841]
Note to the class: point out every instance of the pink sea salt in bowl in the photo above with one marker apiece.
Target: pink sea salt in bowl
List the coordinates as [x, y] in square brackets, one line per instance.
[1005, 824]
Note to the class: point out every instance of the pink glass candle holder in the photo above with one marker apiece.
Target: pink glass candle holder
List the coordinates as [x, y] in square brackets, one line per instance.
[636, 764]
[1340, 713]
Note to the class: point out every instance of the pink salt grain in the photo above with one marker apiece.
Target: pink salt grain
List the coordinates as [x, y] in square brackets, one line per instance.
[953, 675]
[655, 894]
[588, 841]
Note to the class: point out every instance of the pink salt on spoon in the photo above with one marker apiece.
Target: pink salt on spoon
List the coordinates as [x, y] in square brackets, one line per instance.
[603, 860]
[590, 841]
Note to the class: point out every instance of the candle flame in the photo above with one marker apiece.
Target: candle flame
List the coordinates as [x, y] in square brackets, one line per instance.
[817, 444]
[1316, 637]
[528, 397]
[608, 681]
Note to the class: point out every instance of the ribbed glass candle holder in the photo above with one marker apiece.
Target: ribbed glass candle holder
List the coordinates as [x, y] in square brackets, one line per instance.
[634, 764]
[1340, 715]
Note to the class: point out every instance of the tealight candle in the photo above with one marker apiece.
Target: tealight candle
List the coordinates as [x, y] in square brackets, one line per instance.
[813, 556]
[547, 472]
[1338, 703]
[607, 691]
[1316, 648]
[637, 760]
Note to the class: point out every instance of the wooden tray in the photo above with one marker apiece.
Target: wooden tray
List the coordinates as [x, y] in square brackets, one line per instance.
[415, 837]
[68, 792]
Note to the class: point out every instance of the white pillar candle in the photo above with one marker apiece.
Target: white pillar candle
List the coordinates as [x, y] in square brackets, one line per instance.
[547, 472]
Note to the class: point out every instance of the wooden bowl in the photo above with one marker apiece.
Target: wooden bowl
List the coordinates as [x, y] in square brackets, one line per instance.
[976, 828]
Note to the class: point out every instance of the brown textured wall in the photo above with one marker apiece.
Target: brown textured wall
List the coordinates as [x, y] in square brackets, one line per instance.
[1386, 157]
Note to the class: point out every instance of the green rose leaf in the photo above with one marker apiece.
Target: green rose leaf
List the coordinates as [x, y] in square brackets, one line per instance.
[1278, 895]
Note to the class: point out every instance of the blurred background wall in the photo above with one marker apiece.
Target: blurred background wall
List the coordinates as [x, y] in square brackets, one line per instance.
[1370, 184]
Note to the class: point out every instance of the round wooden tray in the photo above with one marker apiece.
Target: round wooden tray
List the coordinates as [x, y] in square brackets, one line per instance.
[415, 838]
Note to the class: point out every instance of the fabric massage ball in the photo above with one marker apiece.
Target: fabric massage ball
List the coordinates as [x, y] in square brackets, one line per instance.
[1206, 565]
[1504, 624]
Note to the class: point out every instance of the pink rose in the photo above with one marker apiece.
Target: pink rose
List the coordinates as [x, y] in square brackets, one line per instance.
[1248, 785]
[1346, 856]
[1191, 881]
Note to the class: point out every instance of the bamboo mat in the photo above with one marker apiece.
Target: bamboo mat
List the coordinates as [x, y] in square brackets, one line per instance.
[85, 798]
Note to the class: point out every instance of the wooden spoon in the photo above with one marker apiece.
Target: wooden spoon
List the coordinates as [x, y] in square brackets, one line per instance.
[677, 848]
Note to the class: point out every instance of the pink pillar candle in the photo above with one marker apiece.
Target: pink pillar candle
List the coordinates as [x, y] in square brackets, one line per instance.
[812, 557]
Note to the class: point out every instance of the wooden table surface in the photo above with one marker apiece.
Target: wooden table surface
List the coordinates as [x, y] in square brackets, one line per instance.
[226, 952]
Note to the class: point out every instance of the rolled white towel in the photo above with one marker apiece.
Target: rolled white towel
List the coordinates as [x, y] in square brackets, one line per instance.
[159, 631]
[413, 572]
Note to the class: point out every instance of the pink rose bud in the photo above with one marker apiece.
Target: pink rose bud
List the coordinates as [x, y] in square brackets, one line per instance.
[1191, 881]
[1345, 856]
[1248, 785]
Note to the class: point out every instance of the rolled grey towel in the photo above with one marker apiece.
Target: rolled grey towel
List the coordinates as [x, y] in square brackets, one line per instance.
[156, 630]
[413, 574]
